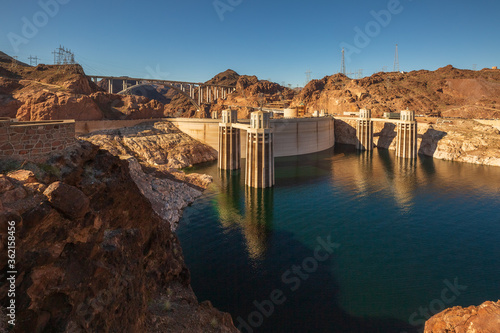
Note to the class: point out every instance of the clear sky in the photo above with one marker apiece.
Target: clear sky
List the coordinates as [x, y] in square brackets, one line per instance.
[193, 40]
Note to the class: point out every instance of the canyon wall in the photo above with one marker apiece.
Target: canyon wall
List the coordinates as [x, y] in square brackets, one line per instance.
[453, 140]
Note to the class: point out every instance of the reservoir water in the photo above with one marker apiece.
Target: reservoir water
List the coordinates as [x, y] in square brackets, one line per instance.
[346, 242]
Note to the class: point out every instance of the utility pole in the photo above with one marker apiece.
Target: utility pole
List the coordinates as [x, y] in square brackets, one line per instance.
[396, 60]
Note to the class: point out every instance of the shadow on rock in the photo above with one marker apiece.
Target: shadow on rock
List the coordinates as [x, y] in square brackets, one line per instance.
[430, 140]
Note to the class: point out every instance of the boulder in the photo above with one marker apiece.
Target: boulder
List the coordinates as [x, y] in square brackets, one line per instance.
[24, 176]
[67, 199]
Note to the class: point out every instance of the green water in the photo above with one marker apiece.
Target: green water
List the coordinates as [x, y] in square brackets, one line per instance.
[409, 239]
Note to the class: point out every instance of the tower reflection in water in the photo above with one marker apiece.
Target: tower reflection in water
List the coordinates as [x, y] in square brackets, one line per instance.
[379, 172]
[247, 208]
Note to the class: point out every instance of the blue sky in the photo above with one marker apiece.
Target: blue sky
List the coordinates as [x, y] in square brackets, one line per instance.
[278, 40]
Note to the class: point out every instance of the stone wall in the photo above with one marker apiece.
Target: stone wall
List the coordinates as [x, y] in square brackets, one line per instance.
[30, 140]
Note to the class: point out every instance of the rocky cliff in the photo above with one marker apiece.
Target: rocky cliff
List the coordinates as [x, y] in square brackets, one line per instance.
[250, 92]
[474, 319]
[154, 152]
[447, 91]
[51, 92]
[453, 140]
[92, 255]
[157, 144]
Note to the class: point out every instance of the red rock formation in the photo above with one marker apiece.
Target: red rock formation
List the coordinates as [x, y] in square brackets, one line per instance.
[43, 105]
[474, 319]
[108, 264]
[449, 91]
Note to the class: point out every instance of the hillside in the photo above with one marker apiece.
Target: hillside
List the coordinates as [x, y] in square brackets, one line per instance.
[250, 92]
[447, 91]
[64, 92]
[49, 92]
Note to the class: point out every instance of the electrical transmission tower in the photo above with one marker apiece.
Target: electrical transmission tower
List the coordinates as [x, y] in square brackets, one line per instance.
[342, 68]
[308, 76]
[63, 56]
[359, 74]
[33, 60]
[14, 62]
[396, 60]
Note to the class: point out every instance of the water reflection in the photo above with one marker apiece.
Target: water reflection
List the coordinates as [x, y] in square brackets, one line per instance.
[254, 214]
[362, 174]
[402, 225]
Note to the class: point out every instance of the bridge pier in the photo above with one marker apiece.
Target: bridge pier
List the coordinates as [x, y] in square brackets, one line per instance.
[364, 130]
[110, 86]
[124, 85]
[229, 141]
[406, 145]
[259, 164]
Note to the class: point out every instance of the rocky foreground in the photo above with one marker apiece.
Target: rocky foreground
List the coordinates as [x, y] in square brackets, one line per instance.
[95, 248]
[484, 318]
[160, 149]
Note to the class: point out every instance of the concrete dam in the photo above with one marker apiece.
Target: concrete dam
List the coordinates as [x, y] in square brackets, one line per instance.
[292, 137]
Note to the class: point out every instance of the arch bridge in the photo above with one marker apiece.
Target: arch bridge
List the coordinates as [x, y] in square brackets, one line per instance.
[198, 93]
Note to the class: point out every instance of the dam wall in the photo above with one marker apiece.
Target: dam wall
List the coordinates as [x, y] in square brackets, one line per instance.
[291, 136]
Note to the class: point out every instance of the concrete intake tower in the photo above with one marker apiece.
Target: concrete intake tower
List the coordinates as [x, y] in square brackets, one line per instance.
[229, 141]
[259, 168]
[406, 145]
[364, 130]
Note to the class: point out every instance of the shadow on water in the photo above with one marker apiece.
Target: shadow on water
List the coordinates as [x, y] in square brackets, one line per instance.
[309, 301]
[303, 169]
[308, 288]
